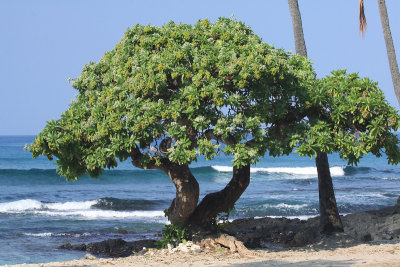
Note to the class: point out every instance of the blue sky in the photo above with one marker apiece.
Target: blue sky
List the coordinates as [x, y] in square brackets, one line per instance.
[42, 43]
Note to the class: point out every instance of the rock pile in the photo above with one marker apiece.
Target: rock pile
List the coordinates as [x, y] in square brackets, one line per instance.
[186, 247]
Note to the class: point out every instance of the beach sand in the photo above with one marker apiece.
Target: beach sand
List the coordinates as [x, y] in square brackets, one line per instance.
[327, 254]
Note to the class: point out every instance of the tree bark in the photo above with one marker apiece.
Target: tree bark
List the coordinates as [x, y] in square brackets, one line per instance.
[187, 187]
[187, 194]
[299, 40]
[329, 215]
[216, 202]
[394, 68]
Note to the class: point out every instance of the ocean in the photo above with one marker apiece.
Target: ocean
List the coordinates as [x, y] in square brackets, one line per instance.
[39, 210]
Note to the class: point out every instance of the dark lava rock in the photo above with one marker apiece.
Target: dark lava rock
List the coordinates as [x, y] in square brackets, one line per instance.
[304, 237]
[376, 225]
[81, 247]
[396, 208]
[366, 238]
[279, 232]
[383, 224]
[112, 247]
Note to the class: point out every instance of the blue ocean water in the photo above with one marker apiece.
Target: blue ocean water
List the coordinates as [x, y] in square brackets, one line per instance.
[39, 210]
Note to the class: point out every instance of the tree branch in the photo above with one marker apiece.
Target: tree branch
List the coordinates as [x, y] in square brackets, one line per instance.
[192, 133]
[211, 135]
[136, 155]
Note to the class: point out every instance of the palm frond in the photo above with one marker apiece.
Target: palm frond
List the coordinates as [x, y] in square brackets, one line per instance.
[363, 20]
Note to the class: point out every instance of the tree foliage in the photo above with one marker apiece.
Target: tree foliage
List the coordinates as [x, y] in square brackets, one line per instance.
[170, 94]
[350, 116]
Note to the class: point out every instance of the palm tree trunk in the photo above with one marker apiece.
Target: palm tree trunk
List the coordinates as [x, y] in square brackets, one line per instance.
[394, 68]
[299, 41]
[329, 216]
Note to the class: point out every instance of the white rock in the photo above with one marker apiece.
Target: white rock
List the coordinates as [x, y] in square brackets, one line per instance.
[170, 247]
[89, 257]
[184, 249]
[195, 248]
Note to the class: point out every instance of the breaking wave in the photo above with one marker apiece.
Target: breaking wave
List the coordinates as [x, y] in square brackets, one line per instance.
[78, 209]
[305, 171]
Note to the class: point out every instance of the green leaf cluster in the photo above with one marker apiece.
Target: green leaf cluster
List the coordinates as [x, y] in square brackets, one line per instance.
[174, 235]
[181, 82]
[349, 115]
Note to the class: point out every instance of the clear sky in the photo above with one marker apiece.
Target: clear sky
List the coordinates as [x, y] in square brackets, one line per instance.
[44, 42]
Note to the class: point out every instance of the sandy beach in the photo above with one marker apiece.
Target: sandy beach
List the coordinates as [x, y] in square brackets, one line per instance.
[328, 253]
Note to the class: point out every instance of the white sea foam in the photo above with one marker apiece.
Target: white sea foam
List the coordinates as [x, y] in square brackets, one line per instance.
[223, 168]
[73, 205]
[20, 205]
[104, 214]
[303, 171]
[47, 234]
[300, 217]
[39, 234]
[78, 209]
[286, 206]
[31, 204]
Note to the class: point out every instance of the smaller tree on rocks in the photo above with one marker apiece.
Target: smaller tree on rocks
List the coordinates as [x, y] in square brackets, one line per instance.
[351, 116]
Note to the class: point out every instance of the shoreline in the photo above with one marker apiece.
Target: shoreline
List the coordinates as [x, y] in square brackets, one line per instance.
[280, 246]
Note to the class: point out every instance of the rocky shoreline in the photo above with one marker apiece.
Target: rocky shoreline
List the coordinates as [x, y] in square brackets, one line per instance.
[375, 225]
[269, 233]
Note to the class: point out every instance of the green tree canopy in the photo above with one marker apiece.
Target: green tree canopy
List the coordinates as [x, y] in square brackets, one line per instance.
[352, 117]
[164, 93]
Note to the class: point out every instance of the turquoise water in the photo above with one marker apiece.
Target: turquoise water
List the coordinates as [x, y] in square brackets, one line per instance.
[39, 210]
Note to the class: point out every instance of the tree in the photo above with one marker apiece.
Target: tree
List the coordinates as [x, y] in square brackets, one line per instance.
[329, 214]
[391, 53]
[353, 118]
[167, 95]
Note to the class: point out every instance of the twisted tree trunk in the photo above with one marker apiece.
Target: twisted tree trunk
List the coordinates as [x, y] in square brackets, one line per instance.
[187, 188]
[187, 194]
[184, 209]
[216, 202]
